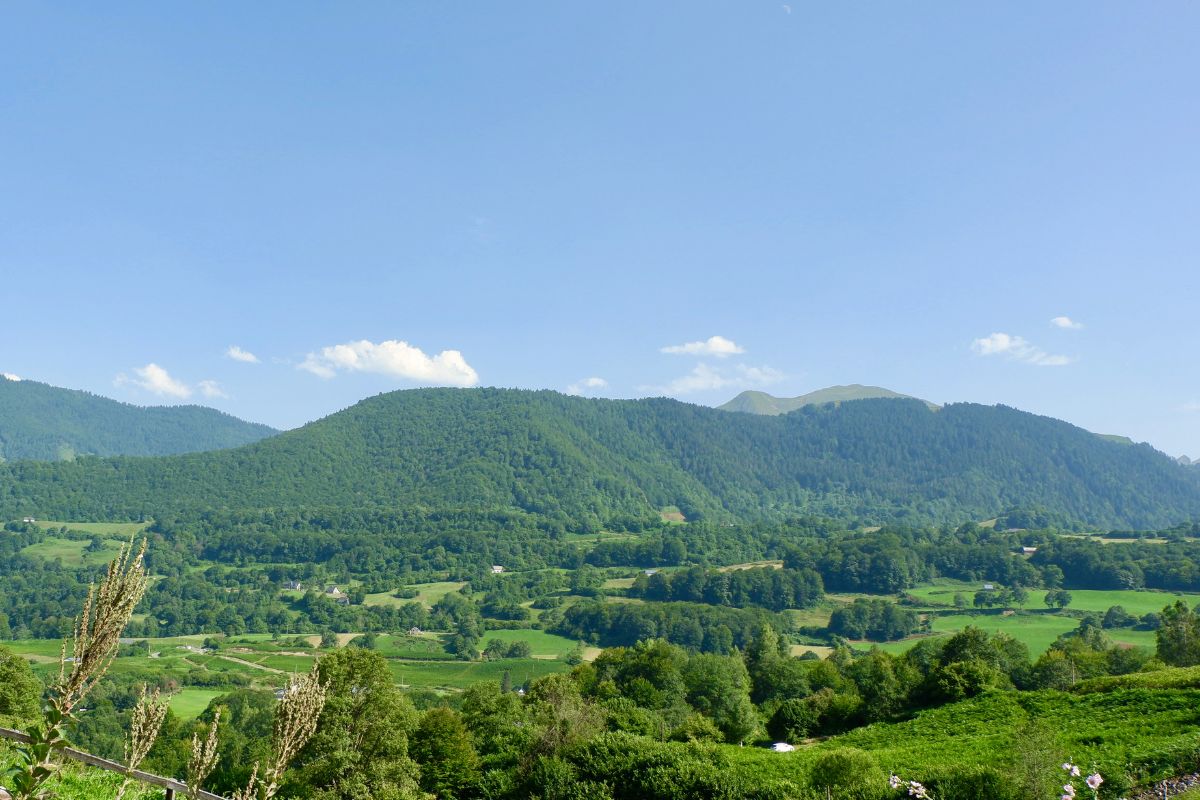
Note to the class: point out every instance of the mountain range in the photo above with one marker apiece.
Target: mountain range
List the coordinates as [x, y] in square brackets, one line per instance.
[588, 462]
[49, 423]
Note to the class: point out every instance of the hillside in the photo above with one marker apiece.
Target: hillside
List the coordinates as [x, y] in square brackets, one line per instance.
[47, 423]
[587, 461]
[751, 402]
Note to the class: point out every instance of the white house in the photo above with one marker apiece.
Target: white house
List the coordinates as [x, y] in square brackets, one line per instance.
[497, 569]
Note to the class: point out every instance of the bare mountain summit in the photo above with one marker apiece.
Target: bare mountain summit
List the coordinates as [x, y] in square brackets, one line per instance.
[750, 402]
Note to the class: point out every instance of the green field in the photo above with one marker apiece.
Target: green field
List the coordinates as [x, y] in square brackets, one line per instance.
[72, 552]
[427, 594]
[543, 644]
[1136, 602]
[1037, 631]
[189, 703]
[122, 530]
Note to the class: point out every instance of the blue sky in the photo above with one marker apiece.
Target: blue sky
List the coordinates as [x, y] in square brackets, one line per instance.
[376, 196]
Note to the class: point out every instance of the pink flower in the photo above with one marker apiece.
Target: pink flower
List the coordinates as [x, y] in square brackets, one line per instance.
[1068, 790]
[1094, 780]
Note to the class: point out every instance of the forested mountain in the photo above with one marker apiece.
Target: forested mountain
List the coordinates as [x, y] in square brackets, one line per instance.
[48, 423]
[752, 402]
[591, 462]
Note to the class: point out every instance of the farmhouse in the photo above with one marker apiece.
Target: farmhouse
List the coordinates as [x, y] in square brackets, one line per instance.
[497, 569]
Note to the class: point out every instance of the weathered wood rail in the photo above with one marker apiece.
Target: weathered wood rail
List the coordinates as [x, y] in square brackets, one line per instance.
[172, 787]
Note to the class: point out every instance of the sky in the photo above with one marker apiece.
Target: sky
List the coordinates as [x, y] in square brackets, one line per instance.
[278, 209]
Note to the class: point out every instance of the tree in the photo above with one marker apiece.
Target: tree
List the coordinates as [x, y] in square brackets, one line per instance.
[1058, 598]
[361, 748]
[329, 639]
[20, 690]
[1178, 636]
[719, 688]
[442, 746]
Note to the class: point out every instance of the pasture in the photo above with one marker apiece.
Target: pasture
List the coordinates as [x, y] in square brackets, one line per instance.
[1136, 601]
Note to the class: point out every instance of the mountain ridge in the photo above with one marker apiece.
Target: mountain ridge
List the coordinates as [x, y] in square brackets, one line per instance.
[589, 463]
[755, 402]
[49, 423]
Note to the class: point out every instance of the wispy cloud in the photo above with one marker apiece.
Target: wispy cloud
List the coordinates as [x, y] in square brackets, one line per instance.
[238, 354]
[705, 378]
[8, 376]
[1192, 407]
[1016, 348]
[1066, 323]
[211, 389]
[393, 358]
[156, 380]
[717, 346]
[587, 386]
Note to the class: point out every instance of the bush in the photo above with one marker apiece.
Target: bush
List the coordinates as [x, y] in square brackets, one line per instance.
[849, 773]
[981, 783]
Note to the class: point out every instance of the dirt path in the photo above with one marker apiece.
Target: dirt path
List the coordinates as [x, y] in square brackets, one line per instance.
[245, 663]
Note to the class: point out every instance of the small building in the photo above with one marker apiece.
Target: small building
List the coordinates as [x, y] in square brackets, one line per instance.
[649, 572]
[783, 747]
[497, 569]
[297, 585]
[987, 587]
[28, 520]
[1028, 550]
[415, 631]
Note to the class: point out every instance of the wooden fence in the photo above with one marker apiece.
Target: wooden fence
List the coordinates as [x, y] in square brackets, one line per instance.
[172, 787]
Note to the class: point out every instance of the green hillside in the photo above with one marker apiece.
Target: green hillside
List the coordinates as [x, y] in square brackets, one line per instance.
[587, 461]
[47, 423]
[751, 402]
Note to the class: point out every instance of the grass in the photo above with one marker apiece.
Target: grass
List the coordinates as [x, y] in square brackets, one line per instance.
[543, 644]
[121, 530]
[72, 552]
[1136, 602]
[427, 594]
[1145, 734]
[189, 703]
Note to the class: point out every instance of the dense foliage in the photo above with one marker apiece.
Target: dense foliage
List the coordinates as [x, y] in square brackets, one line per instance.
[590, 463]
[43, 422]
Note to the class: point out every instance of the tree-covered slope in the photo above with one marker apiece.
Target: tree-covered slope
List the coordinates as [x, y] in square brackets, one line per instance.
[752, 402]
[47, 423]
[594, 460]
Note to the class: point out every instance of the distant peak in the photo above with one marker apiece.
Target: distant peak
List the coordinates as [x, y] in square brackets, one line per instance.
[752, 402]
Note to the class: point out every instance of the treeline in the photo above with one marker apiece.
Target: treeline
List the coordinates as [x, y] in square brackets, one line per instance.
[703, 628]
[877, 620]
[762, 587]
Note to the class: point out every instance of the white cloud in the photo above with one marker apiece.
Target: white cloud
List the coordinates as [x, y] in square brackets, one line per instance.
[1017, 348]
[392, 357]
[8, 376]
[587, 386]
[717, 346]
[1192, 407]
[238, 354]
[1067, 323]
[211, 389]
[707, 378]
[156, 380]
